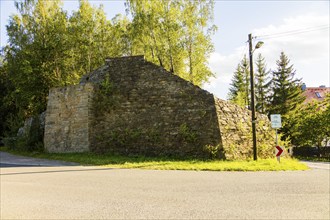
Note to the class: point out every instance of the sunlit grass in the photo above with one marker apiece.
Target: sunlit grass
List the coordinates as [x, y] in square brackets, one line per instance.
[260, 165]
[169, 164]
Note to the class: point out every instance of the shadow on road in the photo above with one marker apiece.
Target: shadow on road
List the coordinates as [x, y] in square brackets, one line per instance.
[80, 169]
[10, 165]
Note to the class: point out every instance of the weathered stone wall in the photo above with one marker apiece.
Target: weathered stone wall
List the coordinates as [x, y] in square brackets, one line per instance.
[236, 131]
[154, 112]
[67, 119]
[144, 110]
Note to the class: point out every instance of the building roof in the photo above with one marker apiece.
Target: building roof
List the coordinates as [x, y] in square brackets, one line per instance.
[315, 93]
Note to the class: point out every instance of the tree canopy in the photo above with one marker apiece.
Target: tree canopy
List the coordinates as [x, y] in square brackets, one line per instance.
[48, 47]
[174, 34]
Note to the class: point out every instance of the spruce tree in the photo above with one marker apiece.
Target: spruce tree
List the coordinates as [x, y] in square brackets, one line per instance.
[239, 90]
[261, 84]
[285, 88]
[237, 87]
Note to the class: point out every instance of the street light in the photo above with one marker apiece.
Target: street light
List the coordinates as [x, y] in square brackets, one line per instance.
[258, 45]
[254, 136]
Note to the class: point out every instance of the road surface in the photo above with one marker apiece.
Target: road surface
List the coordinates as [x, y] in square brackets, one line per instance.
[78, 192]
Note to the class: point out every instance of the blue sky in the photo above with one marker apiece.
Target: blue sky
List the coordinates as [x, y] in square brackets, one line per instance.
[305, 41]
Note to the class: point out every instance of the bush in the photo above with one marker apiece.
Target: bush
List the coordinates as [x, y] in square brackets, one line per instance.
[306, 151]
[29, 137]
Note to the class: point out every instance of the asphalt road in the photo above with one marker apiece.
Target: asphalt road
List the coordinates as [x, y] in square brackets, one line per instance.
[77, 192]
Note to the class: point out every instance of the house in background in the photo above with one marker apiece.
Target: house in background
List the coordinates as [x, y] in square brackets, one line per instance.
[315, 93]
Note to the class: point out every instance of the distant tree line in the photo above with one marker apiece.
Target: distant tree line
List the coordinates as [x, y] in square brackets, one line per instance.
[48, 47]
[280, 92]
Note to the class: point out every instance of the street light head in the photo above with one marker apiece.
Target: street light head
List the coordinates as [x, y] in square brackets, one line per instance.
[259, 44]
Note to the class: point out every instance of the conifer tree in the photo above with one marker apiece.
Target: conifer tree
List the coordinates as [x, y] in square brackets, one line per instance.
[285, 88]
[246, 73]
[261, 84]
[239, 90]
[236, 84]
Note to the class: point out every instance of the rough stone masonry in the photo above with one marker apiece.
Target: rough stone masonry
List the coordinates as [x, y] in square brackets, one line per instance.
[130, 106]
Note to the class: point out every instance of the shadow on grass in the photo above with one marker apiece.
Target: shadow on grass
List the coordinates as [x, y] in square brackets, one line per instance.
[99, 159]
[313, 159]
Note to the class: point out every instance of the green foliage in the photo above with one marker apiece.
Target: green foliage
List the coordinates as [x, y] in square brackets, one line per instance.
[36, 53]
[261, 85]
[187, 134]
[10, 143]
[12, 124]
[308, 125]
[213, 151]
[30, 140]
[94, 37]
[8, 109]
[174, 34]
[239, 92]
[282, 94]
[286, 92]
[312, 153]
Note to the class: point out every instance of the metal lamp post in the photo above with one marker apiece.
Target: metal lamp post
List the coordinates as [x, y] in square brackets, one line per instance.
[254, 136]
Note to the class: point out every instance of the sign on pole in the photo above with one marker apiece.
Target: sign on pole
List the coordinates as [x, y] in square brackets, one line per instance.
[276, 121]
[278, 152]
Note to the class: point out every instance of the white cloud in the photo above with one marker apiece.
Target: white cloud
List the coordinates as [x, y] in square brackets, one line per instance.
[303, 40]
[223, 66]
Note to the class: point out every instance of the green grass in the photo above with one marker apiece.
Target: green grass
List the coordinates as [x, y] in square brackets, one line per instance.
[166, 163]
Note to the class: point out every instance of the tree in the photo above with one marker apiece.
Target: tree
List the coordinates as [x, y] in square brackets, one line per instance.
[121, 37]
[8, 108]
[174, 34]
[197, 40]
[239, 90]
[308, 125]
[246, 73]
[48, 49]
[261, 84]
[90, 34]
[36, 53]
[286, 92]
[151, 28]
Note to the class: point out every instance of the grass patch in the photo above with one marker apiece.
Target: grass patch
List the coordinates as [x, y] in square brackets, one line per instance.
[166, 163]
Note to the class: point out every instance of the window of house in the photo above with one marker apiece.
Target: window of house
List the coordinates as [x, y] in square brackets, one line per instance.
[318, 95]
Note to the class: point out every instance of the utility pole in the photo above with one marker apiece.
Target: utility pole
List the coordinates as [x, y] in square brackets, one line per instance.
[254, 136]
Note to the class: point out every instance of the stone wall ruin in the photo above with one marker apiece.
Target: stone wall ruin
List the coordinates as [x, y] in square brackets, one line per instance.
[130, 106]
